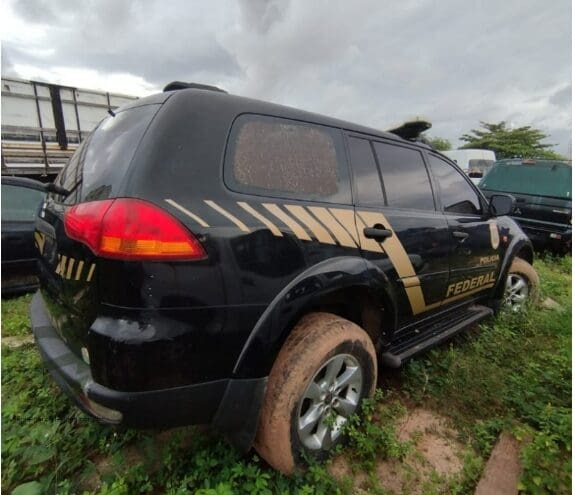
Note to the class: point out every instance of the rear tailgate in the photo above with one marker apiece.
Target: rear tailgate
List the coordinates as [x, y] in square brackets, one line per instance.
[68, 268]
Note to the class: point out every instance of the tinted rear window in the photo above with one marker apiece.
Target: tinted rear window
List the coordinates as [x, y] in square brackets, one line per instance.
[102, 160]
[285, 158]
[20, 204]
[539, 179]
[365, 173]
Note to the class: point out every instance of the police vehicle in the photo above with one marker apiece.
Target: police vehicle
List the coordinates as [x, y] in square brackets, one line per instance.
[208, 258]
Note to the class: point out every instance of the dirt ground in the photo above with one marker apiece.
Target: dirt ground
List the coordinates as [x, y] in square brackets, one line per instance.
[437, 455]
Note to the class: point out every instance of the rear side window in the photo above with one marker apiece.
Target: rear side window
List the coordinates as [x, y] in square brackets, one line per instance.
[102, 160]
[457, 196]
[365, 173]
[405, 177]
[278, 157]
[20, 204]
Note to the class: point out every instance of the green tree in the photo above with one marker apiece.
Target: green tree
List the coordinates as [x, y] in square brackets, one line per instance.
[521, 142]
[439, 144]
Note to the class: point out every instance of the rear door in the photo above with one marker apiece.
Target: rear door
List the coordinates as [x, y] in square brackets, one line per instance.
[473, 238]
[400, 230]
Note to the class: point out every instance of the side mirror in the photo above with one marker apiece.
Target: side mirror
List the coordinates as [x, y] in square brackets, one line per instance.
[501, 204]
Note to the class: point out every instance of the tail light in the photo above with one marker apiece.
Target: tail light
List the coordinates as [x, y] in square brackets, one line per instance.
[131, 229]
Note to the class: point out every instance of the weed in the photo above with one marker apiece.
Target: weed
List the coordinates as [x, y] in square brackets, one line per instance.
[15, 322]
[512, 373]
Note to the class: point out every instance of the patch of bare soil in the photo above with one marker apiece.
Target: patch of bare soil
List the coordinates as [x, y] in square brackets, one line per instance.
[436, 453]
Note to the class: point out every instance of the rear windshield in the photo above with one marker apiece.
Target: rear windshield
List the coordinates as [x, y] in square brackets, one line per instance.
[478, 167]
[545, 179]
[100, 163]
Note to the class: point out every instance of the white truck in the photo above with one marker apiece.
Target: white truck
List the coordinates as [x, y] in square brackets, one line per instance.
[42, 124]
[475, 163]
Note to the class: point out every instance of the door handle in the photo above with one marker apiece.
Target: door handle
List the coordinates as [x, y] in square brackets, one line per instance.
[377, 233]
[458, 234]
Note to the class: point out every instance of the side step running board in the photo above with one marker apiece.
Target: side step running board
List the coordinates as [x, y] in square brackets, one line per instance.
[476, 313]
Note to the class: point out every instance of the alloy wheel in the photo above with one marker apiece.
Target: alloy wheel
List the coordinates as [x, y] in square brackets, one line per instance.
[516, 291]
[330, 398]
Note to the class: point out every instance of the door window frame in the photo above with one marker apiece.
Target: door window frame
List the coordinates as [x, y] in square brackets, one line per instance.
[482, 202]
[378, 139]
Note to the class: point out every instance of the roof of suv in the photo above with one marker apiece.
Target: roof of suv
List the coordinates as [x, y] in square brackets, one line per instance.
[236, 105]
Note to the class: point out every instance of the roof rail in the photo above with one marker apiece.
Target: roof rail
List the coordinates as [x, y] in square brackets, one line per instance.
[175, 85]
[411, 130]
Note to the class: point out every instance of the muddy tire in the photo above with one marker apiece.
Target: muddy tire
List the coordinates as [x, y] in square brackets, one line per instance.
[521, 285]
[326, 367]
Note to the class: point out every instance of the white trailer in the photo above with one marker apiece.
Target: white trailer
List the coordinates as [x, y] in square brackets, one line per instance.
[475, 163]
[43, 124]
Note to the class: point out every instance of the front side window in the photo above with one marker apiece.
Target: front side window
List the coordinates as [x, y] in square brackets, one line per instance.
[20, 204]
[457, 195]
[405, 177]
[279, 157]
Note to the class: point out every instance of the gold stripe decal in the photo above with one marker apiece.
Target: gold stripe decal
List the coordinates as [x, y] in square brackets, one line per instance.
[79, 270]
[365, 243]
[40, 241]
[410, 282]
[297, 229]
[258, 216]
[327, 219]
[392, 245]
[91, 272]
[241, 225]
[346, 218]
[400, 260]
[321, 234]
[70, 268]
[187, 212]
[62, 266]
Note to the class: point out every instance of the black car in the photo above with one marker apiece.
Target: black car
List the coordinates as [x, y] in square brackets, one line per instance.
[542, 189]
[217, 259]
[21, 199]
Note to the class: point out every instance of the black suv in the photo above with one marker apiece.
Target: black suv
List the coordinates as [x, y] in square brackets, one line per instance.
[215, 259]
[542, 190]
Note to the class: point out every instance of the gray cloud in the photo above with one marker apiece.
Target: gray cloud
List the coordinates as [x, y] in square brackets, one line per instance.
[562, 97]
[262, 14]
[370, 62]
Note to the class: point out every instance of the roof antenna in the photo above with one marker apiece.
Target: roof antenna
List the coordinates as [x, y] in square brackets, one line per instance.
[111, 112]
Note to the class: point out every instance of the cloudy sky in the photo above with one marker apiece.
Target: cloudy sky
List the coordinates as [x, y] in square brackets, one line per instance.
[377, 63]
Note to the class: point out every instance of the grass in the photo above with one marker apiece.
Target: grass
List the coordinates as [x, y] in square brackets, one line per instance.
[15, 322]
[511, 374]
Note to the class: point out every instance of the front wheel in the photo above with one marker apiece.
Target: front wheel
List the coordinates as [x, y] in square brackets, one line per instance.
[521, 286]
[326, 367]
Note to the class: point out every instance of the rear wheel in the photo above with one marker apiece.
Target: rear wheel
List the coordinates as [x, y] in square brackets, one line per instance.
[521, 286]
[326, 367]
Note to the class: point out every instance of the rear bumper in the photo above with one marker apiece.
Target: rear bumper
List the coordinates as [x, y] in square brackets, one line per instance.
[231, 405]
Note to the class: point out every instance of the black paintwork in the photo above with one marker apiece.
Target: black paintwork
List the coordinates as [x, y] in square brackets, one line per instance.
[19, 257]
[173, 329]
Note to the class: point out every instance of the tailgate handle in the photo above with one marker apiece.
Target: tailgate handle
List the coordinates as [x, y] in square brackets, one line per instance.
[377, 232]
